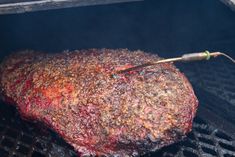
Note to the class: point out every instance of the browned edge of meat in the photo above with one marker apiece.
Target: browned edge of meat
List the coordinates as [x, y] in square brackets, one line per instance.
[98, 113]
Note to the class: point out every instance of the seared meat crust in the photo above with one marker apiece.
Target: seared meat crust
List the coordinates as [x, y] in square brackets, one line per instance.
[98, 112]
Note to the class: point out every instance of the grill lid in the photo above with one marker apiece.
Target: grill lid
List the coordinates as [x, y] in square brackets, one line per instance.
[21, 6]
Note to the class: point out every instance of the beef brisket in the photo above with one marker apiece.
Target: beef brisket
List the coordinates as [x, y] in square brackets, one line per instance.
[98, 112]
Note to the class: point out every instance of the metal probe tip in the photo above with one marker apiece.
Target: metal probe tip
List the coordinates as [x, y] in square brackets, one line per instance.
[206, 55]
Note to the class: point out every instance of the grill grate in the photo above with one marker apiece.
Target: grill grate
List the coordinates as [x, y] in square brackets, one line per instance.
[204, 140]
[216, 76]
[19, 138]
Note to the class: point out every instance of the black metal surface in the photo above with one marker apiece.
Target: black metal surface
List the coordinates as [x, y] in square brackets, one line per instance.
[22, 6]
[204, 140]
[216, 76]
[169, 28]
[214, 84]
[230, 3]
[19, 138]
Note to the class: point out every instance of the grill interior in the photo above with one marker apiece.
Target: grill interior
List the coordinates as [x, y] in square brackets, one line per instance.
[24, 139]
[213, 83]
[167, 27]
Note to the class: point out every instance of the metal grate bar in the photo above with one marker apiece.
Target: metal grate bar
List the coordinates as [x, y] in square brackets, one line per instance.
[15, 6]
[21, 138]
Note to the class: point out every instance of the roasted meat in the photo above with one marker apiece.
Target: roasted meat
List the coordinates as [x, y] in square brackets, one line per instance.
[79, 96]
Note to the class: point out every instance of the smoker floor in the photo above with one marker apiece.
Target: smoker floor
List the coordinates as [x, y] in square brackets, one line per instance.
[19, 138]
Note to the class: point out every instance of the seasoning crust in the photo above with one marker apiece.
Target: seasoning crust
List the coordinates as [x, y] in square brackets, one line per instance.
[98, 112]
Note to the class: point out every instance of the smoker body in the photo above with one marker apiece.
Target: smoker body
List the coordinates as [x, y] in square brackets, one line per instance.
[164, 27]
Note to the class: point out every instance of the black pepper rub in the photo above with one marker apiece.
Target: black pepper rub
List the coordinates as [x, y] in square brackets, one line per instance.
[73, 93]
